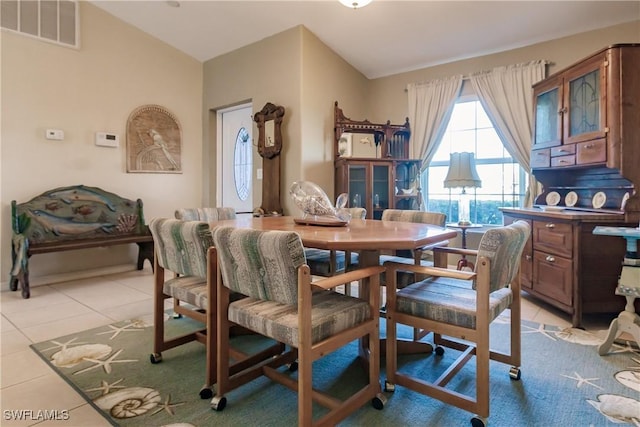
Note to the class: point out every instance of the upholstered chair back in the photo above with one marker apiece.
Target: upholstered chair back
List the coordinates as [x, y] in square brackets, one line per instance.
[357, 213]
[503, 246]
[181, 246]
[205, 214]
[260, 264]
[435, 218]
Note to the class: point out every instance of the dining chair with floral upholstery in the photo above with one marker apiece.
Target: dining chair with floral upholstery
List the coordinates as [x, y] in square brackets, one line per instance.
[184, 248]
[284, 304]
[458, 307]
[205, 214]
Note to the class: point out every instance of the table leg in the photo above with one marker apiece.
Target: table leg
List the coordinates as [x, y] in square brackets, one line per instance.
[369, 258]
[627, 321]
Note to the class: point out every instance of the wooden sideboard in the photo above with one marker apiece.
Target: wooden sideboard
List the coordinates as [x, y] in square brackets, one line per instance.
[586, 154]
[566, 265]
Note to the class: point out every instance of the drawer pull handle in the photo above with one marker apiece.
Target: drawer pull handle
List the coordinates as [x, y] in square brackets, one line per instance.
[541, 154]
[588, 146]
[562, 150]
[550, 225]
[563, 161]
[528, 257]
[549, 258]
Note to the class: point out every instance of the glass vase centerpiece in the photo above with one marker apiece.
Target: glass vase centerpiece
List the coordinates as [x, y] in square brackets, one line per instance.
[315, 204]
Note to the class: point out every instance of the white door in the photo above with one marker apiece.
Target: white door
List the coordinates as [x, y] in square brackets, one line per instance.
[235, 167]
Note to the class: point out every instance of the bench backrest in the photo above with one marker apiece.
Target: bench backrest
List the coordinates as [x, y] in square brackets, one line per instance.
[77, 212]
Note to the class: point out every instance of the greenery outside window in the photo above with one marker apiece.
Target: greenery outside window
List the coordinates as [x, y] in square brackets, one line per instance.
[503, 180]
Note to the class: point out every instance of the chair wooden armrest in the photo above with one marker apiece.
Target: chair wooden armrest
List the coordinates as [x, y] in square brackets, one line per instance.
[392, 267]
[348, 277]
[458, 251]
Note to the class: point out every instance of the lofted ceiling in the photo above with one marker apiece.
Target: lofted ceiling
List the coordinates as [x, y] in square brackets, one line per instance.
[384, 38]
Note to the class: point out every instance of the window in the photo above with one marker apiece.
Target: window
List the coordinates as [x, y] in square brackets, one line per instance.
[503, 180]
[242, 164]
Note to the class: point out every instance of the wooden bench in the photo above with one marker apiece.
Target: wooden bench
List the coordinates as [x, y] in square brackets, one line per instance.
[70, 218]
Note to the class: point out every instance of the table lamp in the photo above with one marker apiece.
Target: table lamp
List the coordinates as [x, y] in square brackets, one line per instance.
[462, 174]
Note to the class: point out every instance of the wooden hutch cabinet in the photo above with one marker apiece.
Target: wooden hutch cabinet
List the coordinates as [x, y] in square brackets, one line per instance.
[387, 179]
[586, 155]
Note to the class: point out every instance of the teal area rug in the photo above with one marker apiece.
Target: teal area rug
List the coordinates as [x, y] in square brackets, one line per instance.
[564, 382]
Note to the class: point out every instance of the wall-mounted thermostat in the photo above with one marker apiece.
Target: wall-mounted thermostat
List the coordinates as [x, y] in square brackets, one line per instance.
[105, 139]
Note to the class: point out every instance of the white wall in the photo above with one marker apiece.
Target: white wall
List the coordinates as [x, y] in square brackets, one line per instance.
[117, 69]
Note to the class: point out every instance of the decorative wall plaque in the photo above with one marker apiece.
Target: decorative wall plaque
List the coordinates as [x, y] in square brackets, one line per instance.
[154, 141]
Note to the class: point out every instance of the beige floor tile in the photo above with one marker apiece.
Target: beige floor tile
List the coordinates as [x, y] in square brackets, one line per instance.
[48, 392]
[67, 326]
[37, 316]
[84, 416]
[100, 295]
[41, 296]
[6, 325]
[130, 311]
[22, 366]
[13, 341]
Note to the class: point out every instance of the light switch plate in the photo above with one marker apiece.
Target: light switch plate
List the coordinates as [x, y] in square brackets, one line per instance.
[55, 134]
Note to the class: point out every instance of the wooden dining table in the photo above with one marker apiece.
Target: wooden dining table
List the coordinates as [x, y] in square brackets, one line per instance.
[367, 237]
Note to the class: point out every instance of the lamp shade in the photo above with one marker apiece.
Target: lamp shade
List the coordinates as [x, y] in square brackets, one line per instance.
[462, 171]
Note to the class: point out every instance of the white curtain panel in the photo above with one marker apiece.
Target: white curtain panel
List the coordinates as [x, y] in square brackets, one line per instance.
[430, 107]
[506, 94]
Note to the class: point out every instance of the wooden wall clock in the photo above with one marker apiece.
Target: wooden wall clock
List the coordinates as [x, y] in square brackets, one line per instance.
[269, 121]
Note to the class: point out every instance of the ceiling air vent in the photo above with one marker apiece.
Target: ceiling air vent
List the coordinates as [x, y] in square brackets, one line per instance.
[54, 21]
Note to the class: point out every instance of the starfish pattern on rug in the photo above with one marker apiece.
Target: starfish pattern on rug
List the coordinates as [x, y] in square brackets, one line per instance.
[627, 348]
[539, 330]
[582, 381]
[105, 387]
[63, 345]
[167, 406]
[117, 329]
[106, 364]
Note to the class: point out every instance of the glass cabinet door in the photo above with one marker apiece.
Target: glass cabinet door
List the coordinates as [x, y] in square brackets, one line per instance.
[379, 197]
[357, 186]
[584, 102]
[548, 115]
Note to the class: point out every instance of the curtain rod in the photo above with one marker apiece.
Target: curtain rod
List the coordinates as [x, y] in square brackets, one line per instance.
[537, 61]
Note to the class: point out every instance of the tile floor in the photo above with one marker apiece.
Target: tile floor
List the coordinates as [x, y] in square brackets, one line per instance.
[26, 382]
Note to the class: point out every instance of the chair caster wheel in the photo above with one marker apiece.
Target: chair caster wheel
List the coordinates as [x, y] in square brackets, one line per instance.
[439, 350]
[379, 401]
[514, 373]
[206, 393]
[478, 422]
[389, 387]
[218, 403]
[176, 316]
[155, 358]
[293, 366]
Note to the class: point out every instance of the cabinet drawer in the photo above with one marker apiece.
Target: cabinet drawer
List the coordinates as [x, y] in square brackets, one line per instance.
[540, 158]
[563, 161]
[591, 152]
[553, 276]
[553, 237]
[563, 150]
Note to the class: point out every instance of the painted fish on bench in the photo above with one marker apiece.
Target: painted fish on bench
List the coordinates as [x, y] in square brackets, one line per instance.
[61, 225]
[75, 194]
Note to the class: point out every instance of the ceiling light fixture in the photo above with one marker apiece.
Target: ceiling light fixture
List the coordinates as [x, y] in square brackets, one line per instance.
[356, 4]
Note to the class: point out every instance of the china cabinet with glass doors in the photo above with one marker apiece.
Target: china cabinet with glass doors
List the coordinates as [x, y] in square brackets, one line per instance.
[586, 155]
[372, 165]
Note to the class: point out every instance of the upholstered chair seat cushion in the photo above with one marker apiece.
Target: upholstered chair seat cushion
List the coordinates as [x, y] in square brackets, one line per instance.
[189, 289]
[318, 261]
[448, 300]
[332, 313]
